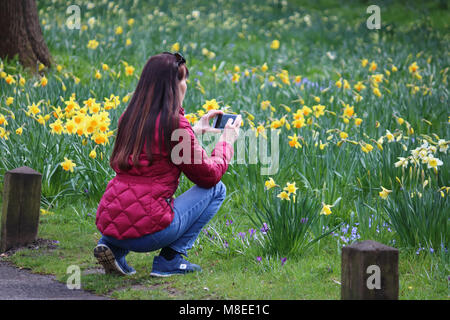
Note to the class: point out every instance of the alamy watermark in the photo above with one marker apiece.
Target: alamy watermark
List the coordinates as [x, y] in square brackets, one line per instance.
[74, 280]
[74, 20]
[374, 20]
[249, 148]
[374, 280]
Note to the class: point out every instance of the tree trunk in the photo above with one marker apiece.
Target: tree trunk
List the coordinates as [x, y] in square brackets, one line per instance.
[20, 33]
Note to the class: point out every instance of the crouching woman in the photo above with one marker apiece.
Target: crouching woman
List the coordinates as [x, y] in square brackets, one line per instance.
[137, 212]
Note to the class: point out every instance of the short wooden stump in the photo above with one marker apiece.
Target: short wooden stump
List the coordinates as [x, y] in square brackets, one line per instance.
[369, 271]
[21, 208]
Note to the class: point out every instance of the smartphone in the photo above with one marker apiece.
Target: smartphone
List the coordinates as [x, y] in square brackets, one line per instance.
[221, 120]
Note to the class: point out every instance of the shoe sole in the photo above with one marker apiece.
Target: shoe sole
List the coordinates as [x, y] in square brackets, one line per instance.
[165, 275]
[106, 258]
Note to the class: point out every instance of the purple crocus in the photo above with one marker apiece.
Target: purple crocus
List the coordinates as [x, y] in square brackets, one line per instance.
[229, 222]
[303, 220]
[258, 258]
[242, 235]
[264, 228]
[251, 232]
[283, 261]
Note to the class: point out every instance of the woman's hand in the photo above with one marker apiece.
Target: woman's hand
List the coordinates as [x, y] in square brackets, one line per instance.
[203, 125]
[231, 130]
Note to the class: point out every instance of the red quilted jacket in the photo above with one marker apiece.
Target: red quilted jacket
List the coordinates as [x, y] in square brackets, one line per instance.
[139, 201]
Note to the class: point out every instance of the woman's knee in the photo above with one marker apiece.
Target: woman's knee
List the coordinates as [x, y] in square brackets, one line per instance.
[221, 190]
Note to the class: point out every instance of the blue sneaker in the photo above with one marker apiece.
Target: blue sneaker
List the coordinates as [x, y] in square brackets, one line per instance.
[167, 268]
[106, 258]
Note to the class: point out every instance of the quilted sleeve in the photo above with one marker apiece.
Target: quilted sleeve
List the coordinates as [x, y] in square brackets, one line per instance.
[205, 171]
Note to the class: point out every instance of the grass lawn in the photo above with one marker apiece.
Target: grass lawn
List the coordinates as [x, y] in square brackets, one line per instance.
[316, 275]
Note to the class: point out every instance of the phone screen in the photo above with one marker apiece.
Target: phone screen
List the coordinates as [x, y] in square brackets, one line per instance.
[222, 119]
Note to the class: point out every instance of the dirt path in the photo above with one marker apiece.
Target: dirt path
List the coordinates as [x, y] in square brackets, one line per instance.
[20, 284]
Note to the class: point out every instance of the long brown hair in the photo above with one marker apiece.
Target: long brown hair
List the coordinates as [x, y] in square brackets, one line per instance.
[156, 92]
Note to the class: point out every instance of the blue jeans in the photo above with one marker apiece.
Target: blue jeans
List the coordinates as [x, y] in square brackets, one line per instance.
[192, 211]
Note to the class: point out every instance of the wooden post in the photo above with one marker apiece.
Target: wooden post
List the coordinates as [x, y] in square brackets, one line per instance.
[21, 206]
[369, 271]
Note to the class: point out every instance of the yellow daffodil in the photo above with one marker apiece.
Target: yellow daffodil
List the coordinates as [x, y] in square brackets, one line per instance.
[343, 135]
[10, 79]
[265, 104]
[376, 92]
[57, 127]
[326, 209]
[290, 188]
[283, 195]
[34, 109]
[264, 67]
[389, 136]
[92, 44]
[260, 129]
[306, 110]
[175, 47]
[318, 110]
[413, 67]
[210, 105]
[384, 193]
[298, 123]
[129, 70]
[119, 30]
[68, 165]
[359, 86]
[9, 101]
[293, 142]
[349, 111]
[275, 44]
[269, 184]
[3, 121]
